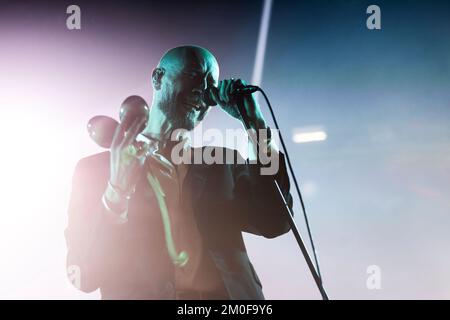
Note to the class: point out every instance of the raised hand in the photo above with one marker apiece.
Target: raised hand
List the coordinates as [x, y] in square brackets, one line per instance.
[127, 156]
[228, 101]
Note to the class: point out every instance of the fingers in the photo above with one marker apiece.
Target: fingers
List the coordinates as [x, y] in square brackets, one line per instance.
[226, 89]
[119, 135]
[126, 131]
[223, 91]
[142, 149]
[131, 134]
[215, 93]
[230, 90]
[122, 129]
[241, 82]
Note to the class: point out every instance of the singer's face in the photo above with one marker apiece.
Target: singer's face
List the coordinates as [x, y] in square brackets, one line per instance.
[183, 83]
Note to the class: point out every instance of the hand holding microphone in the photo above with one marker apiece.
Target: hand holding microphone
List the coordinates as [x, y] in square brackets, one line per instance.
[236, 88]
[234, 97]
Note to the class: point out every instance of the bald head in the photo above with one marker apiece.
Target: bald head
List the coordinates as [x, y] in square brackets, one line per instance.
[180, 78]
[178, 57]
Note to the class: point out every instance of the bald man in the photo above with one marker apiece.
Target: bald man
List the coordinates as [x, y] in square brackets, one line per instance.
[145, 226]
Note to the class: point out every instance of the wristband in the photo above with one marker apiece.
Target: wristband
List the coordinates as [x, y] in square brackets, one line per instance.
[118, 213]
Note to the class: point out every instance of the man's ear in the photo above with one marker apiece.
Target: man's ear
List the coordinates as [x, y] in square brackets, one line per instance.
[157, 75]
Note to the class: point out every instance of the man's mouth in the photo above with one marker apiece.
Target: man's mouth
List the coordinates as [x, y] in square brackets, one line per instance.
[190, 106]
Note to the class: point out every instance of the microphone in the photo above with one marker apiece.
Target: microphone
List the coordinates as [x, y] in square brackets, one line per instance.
[101, 129]
[209, 100]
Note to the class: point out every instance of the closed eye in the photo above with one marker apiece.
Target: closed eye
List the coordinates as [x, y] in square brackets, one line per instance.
[191, 75]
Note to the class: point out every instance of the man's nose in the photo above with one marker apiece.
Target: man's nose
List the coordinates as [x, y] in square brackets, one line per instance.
[200, 89]
[202, 85]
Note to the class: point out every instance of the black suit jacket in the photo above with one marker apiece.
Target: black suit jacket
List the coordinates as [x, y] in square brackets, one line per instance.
[226, 200]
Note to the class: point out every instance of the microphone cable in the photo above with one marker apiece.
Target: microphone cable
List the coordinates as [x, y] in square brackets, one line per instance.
[294, 178]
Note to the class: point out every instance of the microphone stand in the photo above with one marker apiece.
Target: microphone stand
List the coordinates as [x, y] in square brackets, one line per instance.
[289, 215]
